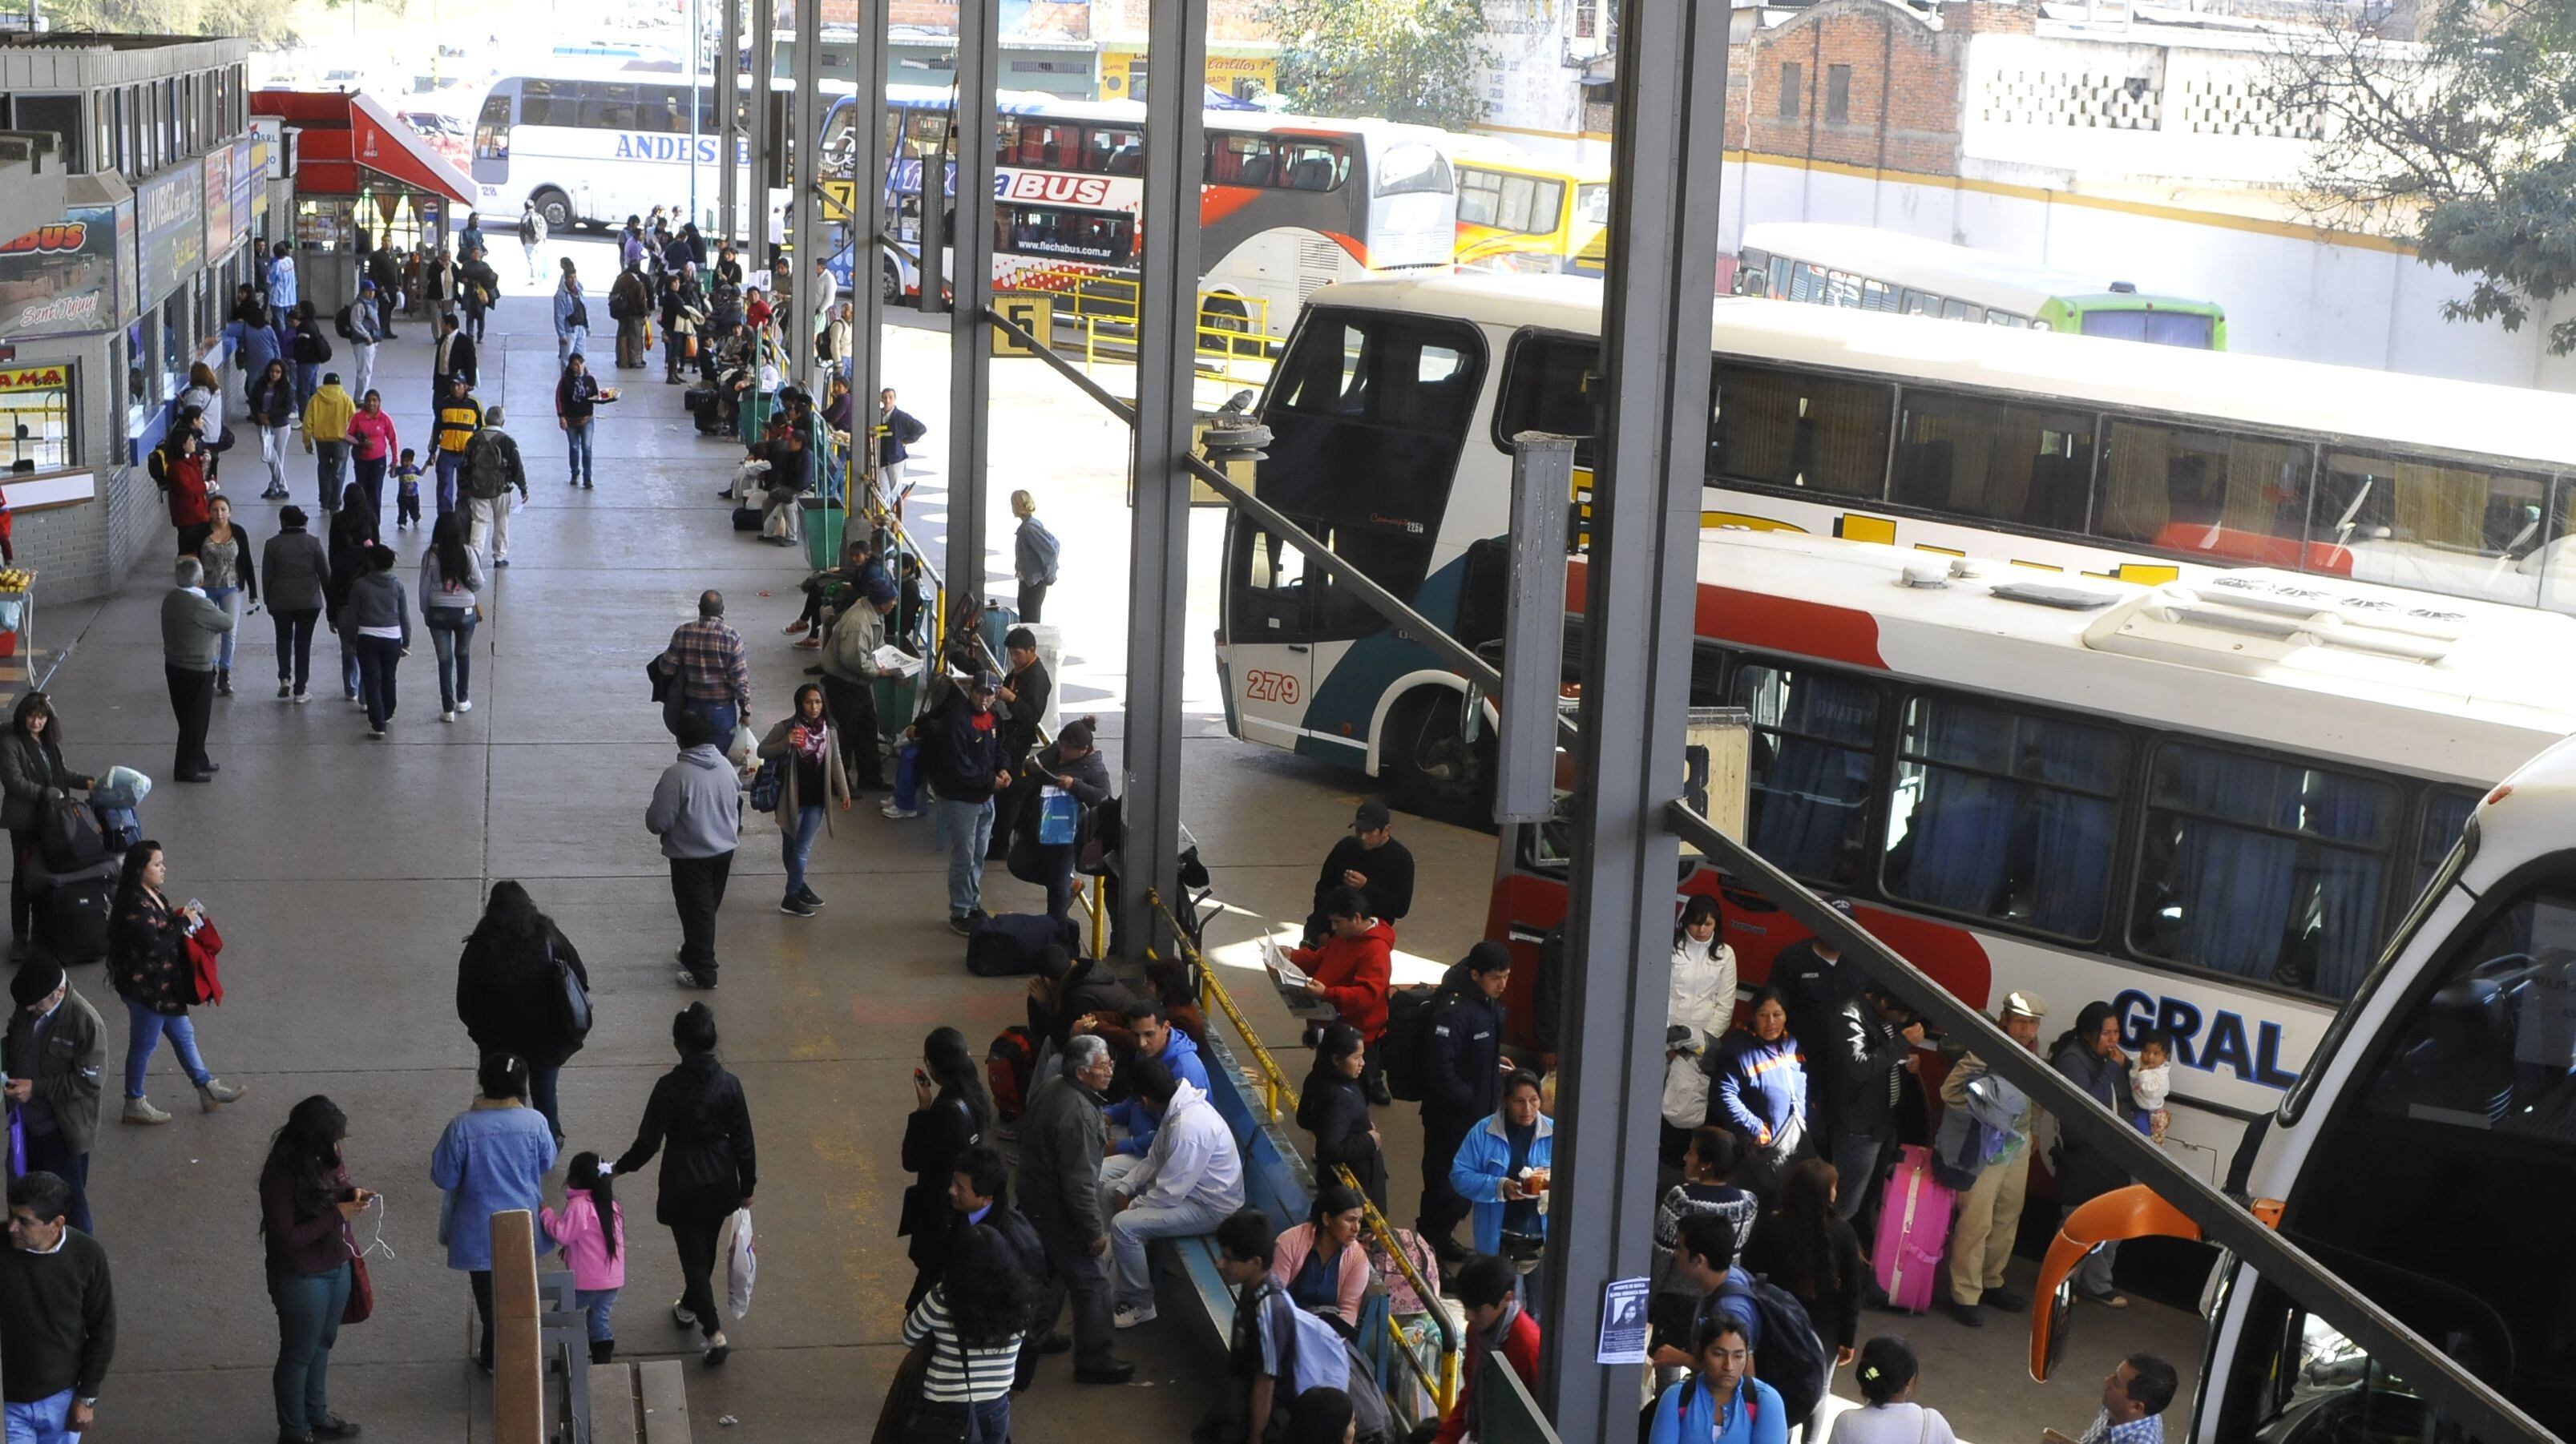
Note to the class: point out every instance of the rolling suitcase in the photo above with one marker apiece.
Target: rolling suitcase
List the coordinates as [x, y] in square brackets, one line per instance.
[1913, 1229]
[70, 912]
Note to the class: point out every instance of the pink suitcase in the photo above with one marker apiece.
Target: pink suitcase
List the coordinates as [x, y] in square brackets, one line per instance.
[1913, 1228]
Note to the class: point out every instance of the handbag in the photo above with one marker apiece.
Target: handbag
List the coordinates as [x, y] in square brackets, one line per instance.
[903, 1395]
[572, 1000]
[943, 1428]
[362, 1292]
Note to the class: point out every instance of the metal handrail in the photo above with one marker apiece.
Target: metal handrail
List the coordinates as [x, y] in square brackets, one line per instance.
[1275, 1086]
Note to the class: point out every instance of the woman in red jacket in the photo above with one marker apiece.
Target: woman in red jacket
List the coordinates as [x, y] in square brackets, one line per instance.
[178, 467]
[1352, 971]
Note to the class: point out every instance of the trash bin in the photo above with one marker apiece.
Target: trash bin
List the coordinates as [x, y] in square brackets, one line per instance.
[823, 523]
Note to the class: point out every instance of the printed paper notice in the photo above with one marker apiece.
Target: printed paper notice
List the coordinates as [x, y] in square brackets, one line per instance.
[1623, 1322]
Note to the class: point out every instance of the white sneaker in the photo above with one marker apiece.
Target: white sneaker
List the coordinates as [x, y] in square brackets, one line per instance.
[446, 716]
[463, 705]
[1130, 1318]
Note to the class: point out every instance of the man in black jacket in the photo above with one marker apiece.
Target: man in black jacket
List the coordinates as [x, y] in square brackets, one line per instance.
[979, 1192]
[1871, 1054]
[961, 759]
[1814, 983]
[1371, 860]
[1023, 695]
[1462, 1081]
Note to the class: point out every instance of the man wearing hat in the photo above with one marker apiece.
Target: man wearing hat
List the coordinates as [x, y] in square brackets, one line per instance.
[55, 1053]
[326, 436]
[961, 760]
[1989, 1212]
[1371, 860]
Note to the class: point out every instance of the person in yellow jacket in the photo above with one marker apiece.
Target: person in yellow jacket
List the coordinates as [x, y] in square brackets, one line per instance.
[459, 417]
[326, 436]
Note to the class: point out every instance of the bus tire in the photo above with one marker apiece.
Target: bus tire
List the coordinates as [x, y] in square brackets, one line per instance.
[889, 280]
[1221, 319]
[555, 208]
[1433, 771]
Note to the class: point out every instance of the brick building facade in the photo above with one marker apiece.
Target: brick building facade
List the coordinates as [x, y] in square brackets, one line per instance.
[1876, 84]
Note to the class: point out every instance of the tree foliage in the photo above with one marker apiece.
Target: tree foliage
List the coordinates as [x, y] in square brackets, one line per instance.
[1411, 60]
[2463, 144]
[269, 22]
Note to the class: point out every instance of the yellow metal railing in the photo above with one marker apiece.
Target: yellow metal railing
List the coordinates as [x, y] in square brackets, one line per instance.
[1276, 1088]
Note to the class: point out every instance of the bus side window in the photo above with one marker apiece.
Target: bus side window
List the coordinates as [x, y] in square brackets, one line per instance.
[550, 102]
[1270, 597]
[2004, 814]
[1752, 273]
[1921, 303]
[2205, 495]
[1814, 768]
[1479, 196]
[2419, 523]
[1972, 457]
[1810, 433]
[2262, 869]
[1807, 282]
[1551, 384]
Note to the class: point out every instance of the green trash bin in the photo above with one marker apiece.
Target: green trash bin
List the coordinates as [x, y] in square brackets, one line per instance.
[757, 405]
[896, 699]
[823, 523]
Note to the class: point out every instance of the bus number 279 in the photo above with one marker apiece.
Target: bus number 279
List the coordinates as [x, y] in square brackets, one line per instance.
[1269, 687]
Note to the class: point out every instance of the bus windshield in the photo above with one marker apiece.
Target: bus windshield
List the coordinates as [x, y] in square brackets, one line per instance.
[1592, 204]
[2161, 328]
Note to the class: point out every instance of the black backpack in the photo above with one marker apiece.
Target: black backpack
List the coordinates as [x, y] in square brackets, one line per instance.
[69, 837]
[311, 348]
[1794, 1361]
[340, 323]
[1408, 1027]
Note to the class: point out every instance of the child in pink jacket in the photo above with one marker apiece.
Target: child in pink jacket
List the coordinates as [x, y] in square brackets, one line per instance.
[592, 1232]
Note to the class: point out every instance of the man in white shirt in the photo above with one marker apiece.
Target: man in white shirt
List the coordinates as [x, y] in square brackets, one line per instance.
[1190, 1180]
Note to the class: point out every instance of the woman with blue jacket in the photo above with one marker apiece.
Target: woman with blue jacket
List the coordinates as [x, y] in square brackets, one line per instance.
[1721, 1402]
[493, 1158]
[1501, 1168]
[1761, 1093]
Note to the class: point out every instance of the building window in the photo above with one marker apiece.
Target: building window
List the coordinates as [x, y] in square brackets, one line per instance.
[60, 114]
[1837, 95]
[1587, 22]
[1792, 80]
[35, 417]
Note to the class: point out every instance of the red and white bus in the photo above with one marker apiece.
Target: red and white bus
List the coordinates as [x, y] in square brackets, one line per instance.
[2206, 802]
[1288, 204]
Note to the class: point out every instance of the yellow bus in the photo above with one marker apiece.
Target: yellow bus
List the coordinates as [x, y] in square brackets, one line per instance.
[1519, 213]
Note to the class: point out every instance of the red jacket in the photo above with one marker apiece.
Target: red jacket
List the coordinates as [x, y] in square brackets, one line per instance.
[1353, 976]
[183, 480]
[1520, 1348]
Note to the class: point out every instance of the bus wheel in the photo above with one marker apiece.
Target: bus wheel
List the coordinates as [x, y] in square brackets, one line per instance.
[555, 208]
[889, 280]
[1437, 773]
[1221, 320]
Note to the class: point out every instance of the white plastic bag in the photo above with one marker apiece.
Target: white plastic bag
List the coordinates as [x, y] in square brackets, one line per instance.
[742, 1261]
[741, 745]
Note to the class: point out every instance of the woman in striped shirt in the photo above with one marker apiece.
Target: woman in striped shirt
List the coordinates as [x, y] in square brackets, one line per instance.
[972, 1321]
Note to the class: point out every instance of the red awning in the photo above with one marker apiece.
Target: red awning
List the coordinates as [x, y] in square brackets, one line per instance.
[349, 139]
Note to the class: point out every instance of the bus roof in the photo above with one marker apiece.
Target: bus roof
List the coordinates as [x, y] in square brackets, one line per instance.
[1938, 266]
[2365, 407]
[1487, 152]
[2441, 688]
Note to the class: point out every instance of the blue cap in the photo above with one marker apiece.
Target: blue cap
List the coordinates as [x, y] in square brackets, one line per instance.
[366, 285]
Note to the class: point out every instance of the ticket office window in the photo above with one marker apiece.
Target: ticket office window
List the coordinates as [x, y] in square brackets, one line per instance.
[36, 422]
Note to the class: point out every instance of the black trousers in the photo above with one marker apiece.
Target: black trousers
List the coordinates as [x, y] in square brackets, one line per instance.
[1032, 601]
[853, 709]
[1442, 1208]
[697, 1245]
[1084, 1277]
[295, 643]
[192, 701]
[698, 889]
[22, 855]
[480, 1281]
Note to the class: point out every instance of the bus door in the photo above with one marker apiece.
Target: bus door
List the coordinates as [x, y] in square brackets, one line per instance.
[1269, 605]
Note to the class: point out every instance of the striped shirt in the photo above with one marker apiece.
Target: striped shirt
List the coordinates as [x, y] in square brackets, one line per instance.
[958, 1374]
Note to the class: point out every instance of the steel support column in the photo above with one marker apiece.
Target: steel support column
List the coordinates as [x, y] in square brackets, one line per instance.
[868, 161]
[1636, 687]
[805, 203]
[762, 43]
[1159, 569]
[970, 337]
[729, 148]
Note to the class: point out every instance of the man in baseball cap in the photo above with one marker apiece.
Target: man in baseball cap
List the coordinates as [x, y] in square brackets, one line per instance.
[1371, 860]
[54, 1057]
[1989, 1212]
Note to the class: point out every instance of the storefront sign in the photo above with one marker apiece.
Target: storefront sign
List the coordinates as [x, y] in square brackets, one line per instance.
[220, 230]
[61, 277]
[35, 378]
[170, 231]
[250, 184]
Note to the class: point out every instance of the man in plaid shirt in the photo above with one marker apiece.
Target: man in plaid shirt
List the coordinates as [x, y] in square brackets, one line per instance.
[711, 669]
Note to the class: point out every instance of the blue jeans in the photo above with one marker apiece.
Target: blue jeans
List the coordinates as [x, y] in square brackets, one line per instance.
[330, 471]
[723, 716]
[451, 631]
[41, 1422]
[567, 342]
[987, 1421]
[597, 1303]
[1855, 1160]
[577, 442]
[450, 464]
[378, 657]
[967, 828]
[800, 845]
[546, 1096]
[308, 379]
[1130, 1230]
[223, 597]
[308, 1324]
[144, 1031]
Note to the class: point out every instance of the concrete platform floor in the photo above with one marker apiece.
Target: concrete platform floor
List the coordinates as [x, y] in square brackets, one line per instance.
[345, 873]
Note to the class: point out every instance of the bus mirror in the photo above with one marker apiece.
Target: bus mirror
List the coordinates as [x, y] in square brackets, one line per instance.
[2123, 1213]
[2052, 1320]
